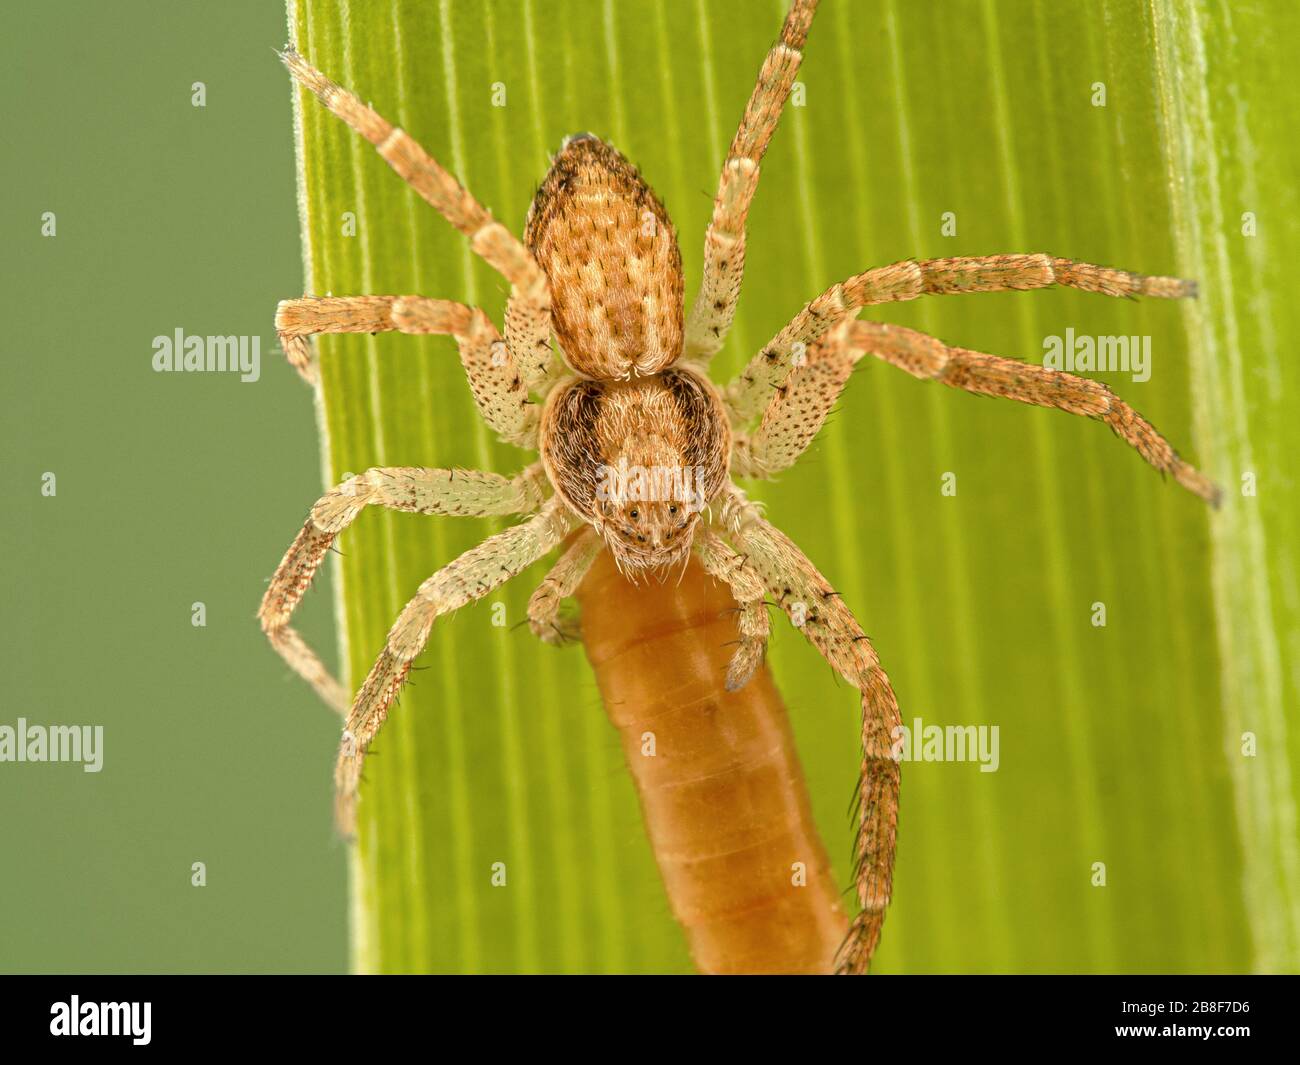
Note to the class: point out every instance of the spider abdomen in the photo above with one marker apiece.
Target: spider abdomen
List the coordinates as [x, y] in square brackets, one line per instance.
[610, 254]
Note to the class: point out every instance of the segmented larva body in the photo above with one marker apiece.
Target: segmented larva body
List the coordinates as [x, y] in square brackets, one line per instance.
[723, 795]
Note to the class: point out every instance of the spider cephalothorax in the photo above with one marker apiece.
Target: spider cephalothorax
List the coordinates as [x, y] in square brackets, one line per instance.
[638, 459]
[636, 441]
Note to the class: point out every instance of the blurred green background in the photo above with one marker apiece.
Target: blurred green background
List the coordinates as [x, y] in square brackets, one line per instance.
[172, 489]
[1118, 744]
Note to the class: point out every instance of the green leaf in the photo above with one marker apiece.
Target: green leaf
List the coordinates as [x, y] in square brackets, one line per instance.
[1118, 744]
[1225, 108]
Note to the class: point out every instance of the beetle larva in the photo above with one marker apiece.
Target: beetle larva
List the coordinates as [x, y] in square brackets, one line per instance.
[723, 795]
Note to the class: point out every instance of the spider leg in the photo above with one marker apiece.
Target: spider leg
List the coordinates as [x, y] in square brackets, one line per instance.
[469, 577]
[925, 357]
[748, 588]
[749, 392]
[528, 314]
[827, 623]
[501, 390]
[563, 581]
[724, 242]
[422, 491]
[799, 407]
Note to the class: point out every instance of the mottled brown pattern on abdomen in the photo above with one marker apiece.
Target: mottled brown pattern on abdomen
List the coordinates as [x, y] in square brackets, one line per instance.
[610, 251]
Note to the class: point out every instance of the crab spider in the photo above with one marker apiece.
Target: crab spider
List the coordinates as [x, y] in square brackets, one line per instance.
[631, 389]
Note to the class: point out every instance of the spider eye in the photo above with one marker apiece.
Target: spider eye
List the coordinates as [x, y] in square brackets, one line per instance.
[672, 509]
[634, 514]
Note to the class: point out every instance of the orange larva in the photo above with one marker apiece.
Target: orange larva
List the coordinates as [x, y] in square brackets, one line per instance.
[723, 795]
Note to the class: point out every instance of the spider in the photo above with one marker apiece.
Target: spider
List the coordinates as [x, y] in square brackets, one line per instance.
[599, 270]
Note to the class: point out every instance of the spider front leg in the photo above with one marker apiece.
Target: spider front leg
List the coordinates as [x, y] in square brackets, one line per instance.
[563, 581]
[414, 489]
[909, 280]
[470, 577]
[724, 243]
[498, 380]
[820, 614]
[747, 586]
